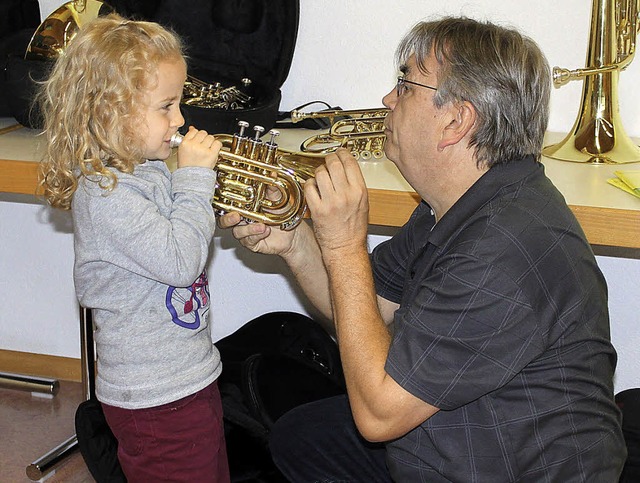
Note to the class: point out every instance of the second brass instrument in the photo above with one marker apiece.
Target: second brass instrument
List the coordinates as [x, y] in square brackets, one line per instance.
[361, 131]
[247, 166]
[198, 93]
[598, 135]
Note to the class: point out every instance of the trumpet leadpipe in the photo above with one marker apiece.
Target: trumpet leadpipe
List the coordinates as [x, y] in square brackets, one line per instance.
[176, 139]
[562, 76]
[297, 116]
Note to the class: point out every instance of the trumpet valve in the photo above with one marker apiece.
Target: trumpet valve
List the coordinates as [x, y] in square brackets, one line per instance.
[258, 133]
[274, 133]
[242, 127]
[255, 151]
[272, 147]
[238, 139]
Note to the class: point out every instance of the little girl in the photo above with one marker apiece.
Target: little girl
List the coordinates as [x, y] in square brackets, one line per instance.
[141, 237]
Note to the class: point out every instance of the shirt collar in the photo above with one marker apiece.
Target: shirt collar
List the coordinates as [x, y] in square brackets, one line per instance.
[500, 177]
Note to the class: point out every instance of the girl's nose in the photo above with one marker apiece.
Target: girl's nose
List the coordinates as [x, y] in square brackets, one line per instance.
[178, 120]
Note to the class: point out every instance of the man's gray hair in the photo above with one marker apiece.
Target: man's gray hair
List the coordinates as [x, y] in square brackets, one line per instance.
[501, 72]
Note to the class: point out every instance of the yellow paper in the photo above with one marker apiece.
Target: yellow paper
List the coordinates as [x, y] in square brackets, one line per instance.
[630, 178]
[618, 183]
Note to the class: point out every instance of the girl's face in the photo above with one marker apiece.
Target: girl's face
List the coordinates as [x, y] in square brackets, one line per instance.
[161, 109]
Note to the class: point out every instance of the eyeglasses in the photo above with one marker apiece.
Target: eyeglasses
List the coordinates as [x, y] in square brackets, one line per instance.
[401, 86]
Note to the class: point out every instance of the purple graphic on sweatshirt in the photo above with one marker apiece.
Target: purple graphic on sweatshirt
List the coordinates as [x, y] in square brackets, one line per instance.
[188, 304]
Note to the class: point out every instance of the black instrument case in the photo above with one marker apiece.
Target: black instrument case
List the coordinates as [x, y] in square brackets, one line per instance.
[227, 41]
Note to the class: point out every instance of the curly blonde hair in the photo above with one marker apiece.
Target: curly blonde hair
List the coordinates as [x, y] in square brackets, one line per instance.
[90, 103]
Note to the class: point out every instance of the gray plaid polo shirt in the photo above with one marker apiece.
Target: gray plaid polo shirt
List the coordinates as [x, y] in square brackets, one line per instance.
[503, 325]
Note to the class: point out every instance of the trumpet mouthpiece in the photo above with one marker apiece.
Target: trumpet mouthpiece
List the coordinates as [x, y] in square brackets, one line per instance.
[561, 76]
[176, 140]
[297, 116]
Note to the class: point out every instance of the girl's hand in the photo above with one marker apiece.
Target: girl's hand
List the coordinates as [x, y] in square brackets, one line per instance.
[198, 148]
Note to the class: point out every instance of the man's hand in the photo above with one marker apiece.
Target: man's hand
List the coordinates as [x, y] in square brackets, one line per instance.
[258, 237]
[339, 205]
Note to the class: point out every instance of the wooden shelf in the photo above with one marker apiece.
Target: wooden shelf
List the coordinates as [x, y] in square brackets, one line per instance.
[18, 177]
[608, 216]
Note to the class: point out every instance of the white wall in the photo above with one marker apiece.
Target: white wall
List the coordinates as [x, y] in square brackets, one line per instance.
[344, 55]
[344, 52]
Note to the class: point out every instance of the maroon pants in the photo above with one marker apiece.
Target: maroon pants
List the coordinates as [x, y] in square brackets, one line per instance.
[179, 441]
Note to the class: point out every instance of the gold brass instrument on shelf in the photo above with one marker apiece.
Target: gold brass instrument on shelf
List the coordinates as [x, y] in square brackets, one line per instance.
[361, 131]
[247, 166]
[597, 135]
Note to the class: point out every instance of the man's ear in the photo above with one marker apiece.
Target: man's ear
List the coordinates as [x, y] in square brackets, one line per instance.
[463, 118]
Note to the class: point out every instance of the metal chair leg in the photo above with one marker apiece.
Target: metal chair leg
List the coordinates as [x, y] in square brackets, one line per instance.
[47, 463]
[44, 385]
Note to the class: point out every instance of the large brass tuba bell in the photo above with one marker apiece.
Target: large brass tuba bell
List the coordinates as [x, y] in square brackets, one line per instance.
[598, 135]
[248, 166]
[361, 131]
[56, 31]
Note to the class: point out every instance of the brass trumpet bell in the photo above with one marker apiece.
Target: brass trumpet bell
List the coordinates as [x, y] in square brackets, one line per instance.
[247, 167]
[597, 135]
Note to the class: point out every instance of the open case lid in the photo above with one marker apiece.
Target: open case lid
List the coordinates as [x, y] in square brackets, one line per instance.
[230, 38]
[227, 41]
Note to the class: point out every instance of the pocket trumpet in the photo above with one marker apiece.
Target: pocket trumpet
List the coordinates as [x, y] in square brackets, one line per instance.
[361, 131]
[248, 166]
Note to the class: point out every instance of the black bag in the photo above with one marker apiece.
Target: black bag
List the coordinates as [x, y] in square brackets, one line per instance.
[229, 40]
[629, 403]
[271, 365]
[97, 444]
[18, 21]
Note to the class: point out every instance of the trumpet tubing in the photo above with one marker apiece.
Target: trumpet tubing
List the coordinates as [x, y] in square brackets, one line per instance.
[332, 114]
[247, 167]
[361, 131]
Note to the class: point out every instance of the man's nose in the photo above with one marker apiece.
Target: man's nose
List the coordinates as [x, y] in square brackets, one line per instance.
[390, 99]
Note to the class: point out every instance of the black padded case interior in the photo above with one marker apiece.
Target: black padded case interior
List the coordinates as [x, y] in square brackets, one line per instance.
[226, 40]
[229, 40]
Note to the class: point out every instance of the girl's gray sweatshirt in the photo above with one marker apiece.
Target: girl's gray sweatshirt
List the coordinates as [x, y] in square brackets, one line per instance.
[140, 256]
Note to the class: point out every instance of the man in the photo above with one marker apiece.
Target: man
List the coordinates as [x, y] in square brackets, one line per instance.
[475, 342]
